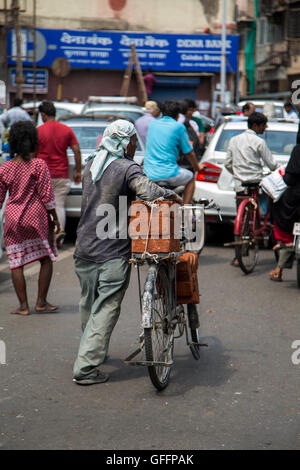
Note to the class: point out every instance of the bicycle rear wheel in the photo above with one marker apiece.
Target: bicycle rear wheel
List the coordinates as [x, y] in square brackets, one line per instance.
[159, 338]
[247, 250]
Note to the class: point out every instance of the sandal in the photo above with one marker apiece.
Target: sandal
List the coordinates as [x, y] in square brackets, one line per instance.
[276, 276]
[234, 263]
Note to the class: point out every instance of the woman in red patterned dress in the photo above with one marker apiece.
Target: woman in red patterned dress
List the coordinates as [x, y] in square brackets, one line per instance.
[30, 216]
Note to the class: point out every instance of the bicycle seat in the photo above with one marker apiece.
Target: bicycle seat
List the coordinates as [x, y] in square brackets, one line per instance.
[166, 185]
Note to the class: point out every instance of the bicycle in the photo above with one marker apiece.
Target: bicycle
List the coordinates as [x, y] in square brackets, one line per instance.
[249, 230]
[163, 319]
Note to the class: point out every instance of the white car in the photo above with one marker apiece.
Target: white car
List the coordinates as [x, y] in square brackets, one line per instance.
[63, 108]
[216, 183]
[125, 106]
[260, 106]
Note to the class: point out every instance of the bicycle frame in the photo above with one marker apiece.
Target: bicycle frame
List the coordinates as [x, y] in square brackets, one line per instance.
[253, 199]
[147, 298]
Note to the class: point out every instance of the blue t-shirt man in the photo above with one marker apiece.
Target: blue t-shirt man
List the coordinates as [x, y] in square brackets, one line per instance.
[166, 137]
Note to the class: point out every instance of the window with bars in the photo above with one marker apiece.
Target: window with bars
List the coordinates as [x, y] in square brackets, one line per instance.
[293, 24]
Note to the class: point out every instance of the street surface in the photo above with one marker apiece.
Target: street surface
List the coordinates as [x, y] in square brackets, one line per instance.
[242, 394]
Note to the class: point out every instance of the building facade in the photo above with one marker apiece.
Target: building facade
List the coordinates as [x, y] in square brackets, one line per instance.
[174, 21]
[272, 60]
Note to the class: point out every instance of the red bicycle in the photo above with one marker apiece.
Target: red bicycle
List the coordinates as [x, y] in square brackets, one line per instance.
[250, 229]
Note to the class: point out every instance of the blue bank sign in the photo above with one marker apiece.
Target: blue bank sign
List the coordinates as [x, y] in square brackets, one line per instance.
[111, 50]
[40, 78]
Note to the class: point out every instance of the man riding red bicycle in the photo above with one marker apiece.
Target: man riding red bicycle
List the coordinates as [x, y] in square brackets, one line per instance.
[247, 155]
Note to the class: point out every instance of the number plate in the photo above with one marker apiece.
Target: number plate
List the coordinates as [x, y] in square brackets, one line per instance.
[296, 229]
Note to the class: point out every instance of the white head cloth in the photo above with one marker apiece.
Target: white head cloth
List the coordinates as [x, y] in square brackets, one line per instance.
[115, 139]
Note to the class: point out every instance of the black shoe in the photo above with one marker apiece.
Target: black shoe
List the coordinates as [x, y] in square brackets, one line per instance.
[97, 379]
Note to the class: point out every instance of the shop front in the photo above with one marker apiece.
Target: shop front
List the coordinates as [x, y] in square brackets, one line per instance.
[184, 65]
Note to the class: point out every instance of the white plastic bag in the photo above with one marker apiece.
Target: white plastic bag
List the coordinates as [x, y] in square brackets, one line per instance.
[273, 184]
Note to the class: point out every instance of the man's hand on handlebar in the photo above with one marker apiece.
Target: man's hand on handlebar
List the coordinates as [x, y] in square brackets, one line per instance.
[201, 166]
[178, 199]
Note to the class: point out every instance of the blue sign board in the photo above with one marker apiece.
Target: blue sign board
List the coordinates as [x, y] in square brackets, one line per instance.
[111, 50]
[41, 78]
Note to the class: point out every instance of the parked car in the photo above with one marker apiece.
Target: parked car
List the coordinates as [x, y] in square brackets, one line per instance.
[113, 105]
[259, 106]
[63, 108]
[216, 183]
[88, 130]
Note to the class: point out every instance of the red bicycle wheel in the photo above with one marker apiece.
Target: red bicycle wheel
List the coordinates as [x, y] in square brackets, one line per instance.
[247, 248]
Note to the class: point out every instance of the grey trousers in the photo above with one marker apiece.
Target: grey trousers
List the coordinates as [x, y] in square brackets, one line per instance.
[103, 287]
[286, 259]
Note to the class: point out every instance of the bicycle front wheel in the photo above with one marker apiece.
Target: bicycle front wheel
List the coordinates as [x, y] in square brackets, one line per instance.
[194, 325]
[247, 249]
[159, 338]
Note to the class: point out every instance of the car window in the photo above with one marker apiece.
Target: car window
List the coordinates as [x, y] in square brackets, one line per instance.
[225, 137]
[278, 110]
[63, 112]
[90, 137]
[131, 114]
[279, 142]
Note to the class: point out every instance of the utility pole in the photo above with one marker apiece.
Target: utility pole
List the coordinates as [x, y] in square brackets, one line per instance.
[15, 6]
[34, 59]
[223, 54]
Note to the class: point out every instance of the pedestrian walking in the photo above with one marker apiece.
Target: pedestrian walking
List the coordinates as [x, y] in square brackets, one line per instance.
[54, 140]
[101, 261]
[14, 114]
[289, 111]
[30, 216]
[152, 111]
[149, 80]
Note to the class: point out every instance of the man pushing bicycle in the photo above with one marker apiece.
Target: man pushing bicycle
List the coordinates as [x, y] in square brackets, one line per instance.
[247, 155]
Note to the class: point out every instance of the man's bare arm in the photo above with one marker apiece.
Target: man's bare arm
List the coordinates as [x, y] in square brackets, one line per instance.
[193, 161]
[201, 138]
[77, 156]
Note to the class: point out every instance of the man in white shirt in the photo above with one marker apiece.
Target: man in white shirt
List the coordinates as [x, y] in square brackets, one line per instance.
[289, 111]
[247, 155]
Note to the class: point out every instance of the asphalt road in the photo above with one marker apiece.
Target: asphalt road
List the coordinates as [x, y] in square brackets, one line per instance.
[242, 394]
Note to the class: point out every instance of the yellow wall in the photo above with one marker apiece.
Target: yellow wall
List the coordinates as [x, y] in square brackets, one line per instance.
[162, 16]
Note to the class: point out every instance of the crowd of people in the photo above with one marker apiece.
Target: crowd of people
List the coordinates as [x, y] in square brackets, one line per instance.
[36, 180]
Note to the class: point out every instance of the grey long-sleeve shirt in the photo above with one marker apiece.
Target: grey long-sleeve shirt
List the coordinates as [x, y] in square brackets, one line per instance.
[13, 115]
[247, 154]
[105, 206]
